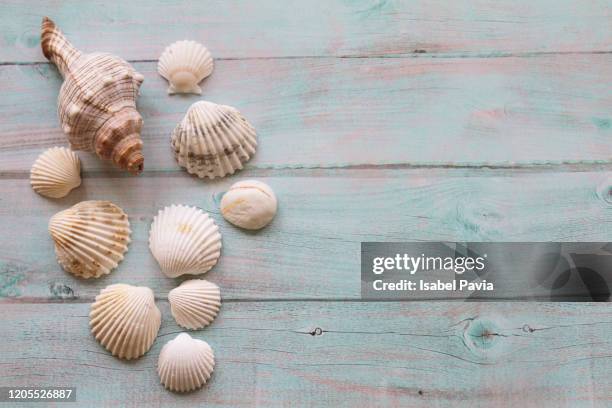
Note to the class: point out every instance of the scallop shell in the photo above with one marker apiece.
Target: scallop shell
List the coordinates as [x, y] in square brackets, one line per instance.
[97, 101]
[185, 363]
[56, 172]
[184, 241]
[90, 237]
[184, 64]
[195, 303]
[249, 204]
[213, 140]
[125, 320]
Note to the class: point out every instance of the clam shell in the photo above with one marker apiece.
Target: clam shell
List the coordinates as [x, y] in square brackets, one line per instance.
[90, 237]
[249, 204]
[185, 363]
[213, 140]
[195, 303]
[56, 172]
[184, 64]
[125, 320]
[184, 241]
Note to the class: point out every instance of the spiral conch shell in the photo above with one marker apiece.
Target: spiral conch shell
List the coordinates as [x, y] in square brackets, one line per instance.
[97, 101]
[195, 303]
[125, 320]
[56, 172]
[184, 241]
[184, 64]
[185, 363]
[213, 140]
[90, 237]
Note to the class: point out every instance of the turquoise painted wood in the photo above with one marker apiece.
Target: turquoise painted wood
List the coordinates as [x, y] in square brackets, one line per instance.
[377, 120]
[339, 354]
[353, 112]
[262, 29]
[311, 250]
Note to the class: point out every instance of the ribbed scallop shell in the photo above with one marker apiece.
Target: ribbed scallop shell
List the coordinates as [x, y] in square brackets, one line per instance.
[184, 64]
[184, 241]
[125, 320]
[195, 303]
[56, 172]
[90, 237]
[213, 140]
[185, 363]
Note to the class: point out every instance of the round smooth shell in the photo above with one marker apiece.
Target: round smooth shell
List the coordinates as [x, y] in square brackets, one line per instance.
[249, 204]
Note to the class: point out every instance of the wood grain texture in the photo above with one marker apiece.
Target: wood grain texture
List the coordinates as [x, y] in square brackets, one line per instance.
[311, 249]
[352, 112]
[335, 354]
[234, 29]
[380, 120]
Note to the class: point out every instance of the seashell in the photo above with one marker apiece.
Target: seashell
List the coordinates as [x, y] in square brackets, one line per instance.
[195, 303]
[90, 237]
[249, 204]
[213, 140]
[185, 363]
[184, 241]
[56, 172]
[185, 64]
[97, 101]
[125, 320]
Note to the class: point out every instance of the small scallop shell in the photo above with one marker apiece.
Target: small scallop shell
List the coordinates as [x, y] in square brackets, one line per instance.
[56, 172]
[125, 320]
[90, 237]
[185, 363]
[249, 204]
[195, 303]
[213, 140]
[184, 64]
[184, 241]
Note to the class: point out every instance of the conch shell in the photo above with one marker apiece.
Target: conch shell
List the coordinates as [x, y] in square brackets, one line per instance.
[97, 101]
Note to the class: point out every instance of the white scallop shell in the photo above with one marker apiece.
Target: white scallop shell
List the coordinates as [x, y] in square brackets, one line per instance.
[195, 303]
[90, 237]
[125, 320]
[184, 64]
[185, 363]
[249, 204]
[56, 172]
[213, 140]
[184, 241]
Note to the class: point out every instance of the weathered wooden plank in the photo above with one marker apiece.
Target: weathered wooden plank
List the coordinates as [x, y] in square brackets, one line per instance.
[335, 354]
[235, 29]
[311, 250]
[347, 112]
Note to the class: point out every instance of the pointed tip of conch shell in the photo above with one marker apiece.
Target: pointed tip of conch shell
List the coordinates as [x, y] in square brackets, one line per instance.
[47, 28]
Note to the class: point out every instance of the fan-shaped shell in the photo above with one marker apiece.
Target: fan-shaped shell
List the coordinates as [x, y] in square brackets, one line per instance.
[184, 241]
[90, 237]
[184, 64]
[56, 172]
[185, 363]
[213, 140]
[195, 303]
[125, 320]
